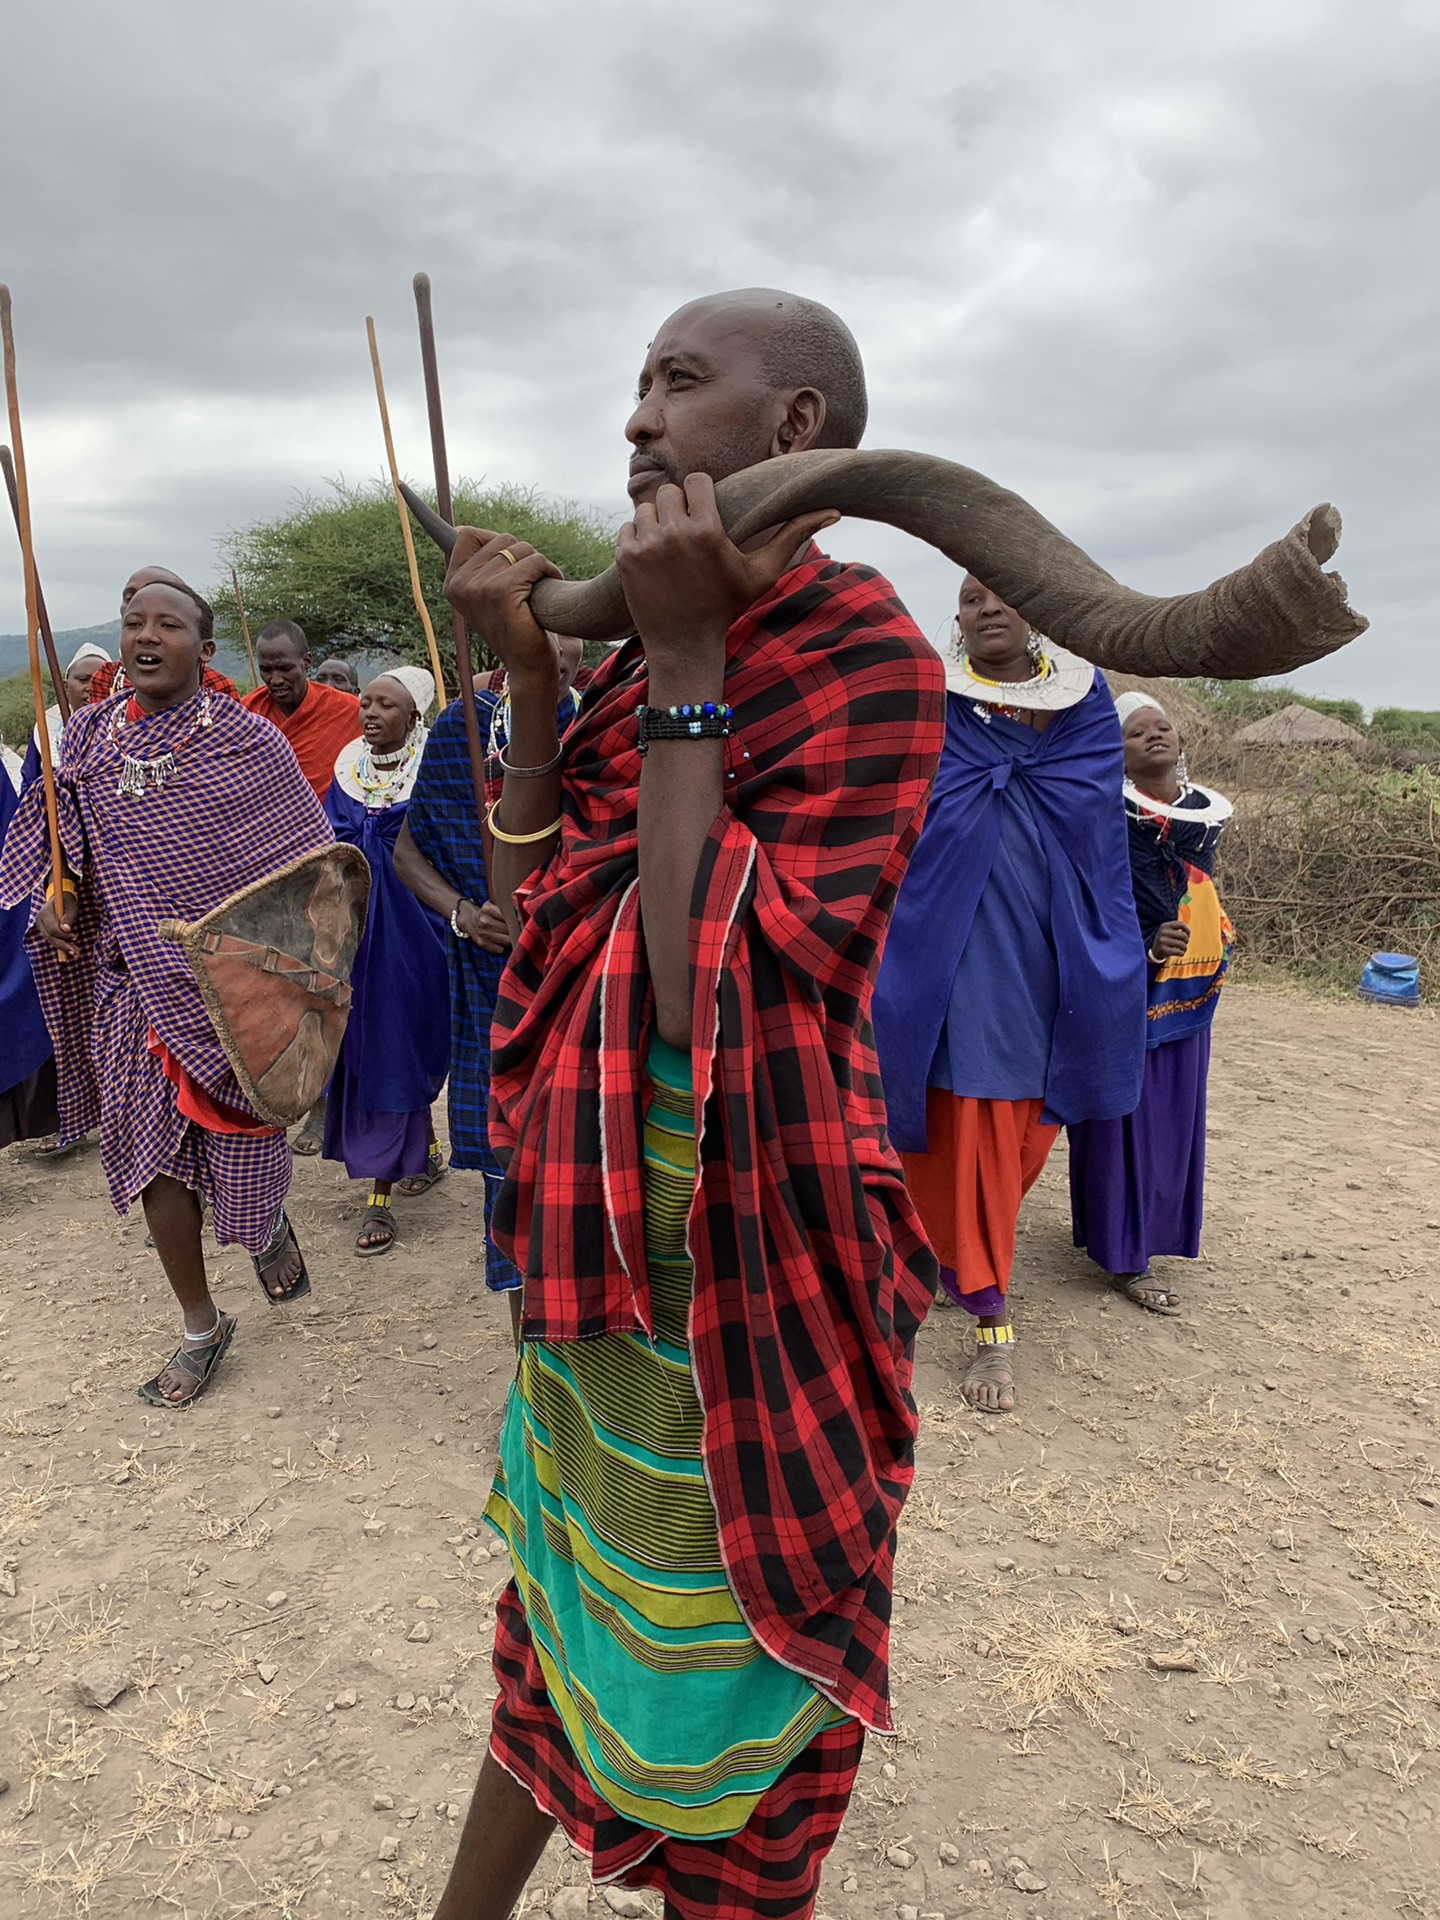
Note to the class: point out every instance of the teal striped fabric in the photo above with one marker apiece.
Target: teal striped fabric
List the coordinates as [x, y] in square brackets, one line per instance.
[678, 1717]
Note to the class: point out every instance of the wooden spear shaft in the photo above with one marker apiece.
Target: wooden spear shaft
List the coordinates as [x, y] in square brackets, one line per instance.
[52, 659]
[410, 560]
[244, 625]
[464, 671]
[32, 604]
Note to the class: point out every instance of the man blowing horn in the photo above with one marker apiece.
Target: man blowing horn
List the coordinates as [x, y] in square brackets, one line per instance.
[711, 1432]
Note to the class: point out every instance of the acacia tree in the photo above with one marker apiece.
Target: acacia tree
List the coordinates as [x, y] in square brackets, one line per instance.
[337, 566]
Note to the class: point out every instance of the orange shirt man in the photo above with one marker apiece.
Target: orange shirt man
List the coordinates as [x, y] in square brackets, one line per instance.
[317, 720]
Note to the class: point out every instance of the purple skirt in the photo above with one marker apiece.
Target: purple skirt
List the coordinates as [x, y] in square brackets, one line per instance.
[1137, 1185]
[373, 1144]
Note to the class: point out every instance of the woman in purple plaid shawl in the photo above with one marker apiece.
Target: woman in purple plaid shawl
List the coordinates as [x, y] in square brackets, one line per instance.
[170, 801]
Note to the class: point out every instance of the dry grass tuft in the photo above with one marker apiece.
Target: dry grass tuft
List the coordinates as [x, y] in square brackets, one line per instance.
[67, 1754]
[1145, 1806]
[21, 1506]
[1049, 1659]
[1244, 1766]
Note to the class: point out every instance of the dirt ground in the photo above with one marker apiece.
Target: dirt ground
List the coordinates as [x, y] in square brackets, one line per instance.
[1166, 1639]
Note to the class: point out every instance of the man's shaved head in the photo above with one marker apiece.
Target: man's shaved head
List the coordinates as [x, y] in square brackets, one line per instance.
[149, 577]
[740, 377]
[809, 346]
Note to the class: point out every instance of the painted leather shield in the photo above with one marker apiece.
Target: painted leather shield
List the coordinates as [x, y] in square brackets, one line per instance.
[273, 963]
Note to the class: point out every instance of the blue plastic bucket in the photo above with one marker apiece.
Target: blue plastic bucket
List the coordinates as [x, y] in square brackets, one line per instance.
[1391, 979]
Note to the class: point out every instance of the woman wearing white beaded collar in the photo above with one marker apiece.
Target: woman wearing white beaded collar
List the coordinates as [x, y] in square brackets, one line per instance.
[1011, 995]
[397, 1045]
[1137, 1185]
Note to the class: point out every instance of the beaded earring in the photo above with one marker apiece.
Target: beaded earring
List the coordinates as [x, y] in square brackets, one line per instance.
[1035, 648]
[1182, 772]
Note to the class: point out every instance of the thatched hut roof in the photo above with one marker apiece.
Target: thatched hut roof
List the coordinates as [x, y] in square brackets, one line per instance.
[1297, 726]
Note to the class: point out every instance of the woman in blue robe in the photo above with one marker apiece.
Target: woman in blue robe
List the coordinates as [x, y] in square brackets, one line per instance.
[1011, 993]
[397, 1045]
[28, 1108]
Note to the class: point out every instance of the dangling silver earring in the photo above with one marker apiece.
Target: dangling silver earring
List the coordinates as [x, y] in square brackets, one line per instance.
[957, 639]
[1035, 648]
[1182, 772]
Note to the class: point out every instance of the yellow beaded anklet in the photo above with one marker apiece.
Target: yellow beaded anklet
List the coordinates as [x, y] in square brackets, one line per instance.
[995, 1336]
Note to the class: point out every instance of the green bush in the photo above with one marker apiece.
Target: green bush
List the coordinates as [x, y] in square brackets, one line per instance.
[1409, 725]
[338, 566]
[17, 709]
[1320, 872]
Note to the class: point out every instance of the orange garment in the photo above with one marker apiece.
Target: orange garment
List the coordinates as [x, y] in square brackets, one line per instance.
[198, 1105]
[984, 1156]
[326, 720]
[105, 682]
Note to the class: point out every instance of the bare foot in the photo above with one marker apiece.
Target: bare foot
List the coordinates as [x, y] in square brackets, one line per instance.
[989, 1381]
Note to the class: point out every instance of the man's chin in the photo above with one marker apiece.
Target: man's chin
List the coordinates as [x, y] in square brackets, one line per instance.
[643, 487]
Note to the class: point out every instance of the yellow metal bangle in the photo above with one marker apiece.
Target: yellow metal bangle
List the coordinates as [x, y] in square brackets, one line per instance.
[66, 886]
[520, 839]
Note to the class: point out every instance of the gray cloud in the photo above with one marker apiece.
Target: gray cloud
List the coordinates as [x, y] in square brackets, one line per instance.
[1171, 275]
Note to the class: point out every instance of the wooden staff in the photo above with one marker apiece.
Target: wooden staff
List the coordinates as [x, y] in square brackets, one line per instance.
[32, 607]
[57, 679]
[244, 626]
[412, 563]
[463, 669]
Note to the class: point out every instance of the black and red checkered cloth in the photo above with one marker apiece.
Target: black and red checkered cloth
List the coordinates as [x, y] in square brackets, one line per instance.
[812, 1273]
[770, 1870]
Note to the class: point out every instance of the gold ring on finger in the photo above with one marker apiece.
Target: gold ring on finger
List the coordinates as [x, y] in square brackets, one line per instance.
[507, 554]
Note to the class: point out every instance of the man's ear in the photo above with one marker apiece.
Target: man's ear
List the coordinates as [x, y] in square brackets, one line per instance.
[803, 423]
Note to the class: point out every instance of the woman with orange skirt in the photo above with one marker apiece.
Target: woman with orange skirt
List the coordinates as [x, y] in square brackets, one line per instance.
[1011, 995]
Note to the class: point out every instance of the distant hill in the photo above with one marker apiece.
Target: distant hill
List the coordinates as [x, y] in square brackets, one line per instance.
[15, 651]
[15, 648]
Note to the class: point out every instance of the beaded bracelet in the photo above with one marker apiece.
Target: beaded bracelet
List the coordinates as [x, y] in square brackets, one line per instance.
[697, 720]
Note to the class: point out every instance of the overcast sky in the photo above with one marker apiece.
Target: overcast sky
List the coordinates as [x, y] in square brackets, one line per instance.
[1170, 272]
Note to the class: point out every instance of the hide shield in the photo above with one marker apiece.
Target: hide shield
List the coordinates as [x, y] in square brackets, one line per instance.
[273, 964]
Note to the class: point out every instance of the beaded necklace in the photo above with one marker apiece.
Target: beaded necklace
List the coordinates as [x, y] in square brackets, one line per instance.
[985, 706]
[380, 776]
[141, 776]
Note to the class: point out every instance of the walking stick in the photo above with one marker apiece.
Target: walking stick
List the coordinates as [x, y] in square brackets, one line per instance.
[32, 607]
[413, 564]
[244, 625]
[52, 659]
[463, 668]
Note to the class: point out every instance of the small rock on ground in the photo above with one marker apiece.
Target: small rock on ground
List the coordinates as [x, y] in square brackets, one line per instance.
[100, 1685]
[628, 1905]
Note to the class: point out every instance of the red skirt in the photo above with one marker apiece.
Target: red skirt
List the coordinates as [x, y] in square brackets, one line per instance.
[770, 1870]
[984, 1157]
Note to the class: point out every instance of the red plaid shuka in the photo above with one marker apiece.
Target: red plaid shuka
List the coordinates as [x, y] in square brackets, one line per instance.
[812, 1273]
[770, 1870]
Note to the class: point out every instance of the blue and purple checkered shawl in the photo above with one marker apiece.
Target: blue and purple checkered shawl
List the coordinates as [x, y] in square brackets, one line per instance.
[236, 809]
[443, 826]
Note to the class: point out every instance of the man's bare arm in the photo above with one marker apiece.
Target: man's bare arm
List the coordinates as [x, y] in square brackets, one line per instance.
[687, 583]
[493, 593]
